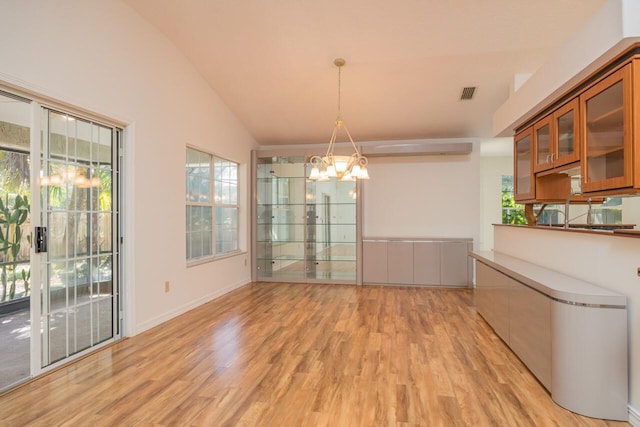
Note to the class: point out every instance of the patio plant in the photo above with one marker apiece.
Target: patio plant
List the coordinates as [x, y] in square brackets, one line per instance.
[12, 219]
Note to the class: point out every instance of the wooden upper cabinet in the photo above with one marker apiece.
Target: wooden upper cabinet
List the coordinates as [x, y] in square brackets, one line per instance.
[595, 127]
[636, 123]
[555, 138]
[607, 141]
[524, 181]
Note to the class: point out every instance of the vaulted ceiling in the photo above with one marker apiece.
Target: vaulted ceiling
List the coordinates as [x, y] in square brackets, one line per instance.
[271, 62]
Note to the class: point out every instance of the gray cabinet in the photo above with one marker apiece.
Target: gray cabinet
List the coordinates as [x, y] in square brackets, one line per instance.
[374, 262]
[425, 262]
[571, 334]
[454, 263]
[400, 262]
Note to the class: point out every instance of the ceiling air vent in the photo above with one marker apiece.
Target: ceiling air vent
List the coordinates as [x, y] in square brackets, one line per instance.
[467, 93]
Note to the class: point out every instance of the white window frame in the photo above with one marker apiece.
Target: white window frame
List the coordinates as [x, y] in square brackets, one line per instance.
[214, 201]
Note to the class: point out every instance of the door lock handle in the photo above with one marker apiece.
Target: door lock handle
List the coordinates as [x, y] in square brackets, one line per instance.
[41, 239]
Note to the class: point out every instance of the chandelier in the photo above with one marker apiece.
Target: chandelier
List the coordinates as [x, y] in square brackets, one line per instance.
[345, 168]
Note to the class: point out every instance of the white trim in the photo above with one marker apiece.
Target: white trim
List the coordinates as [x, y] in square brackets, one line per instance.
[59, 101]
[634, 416]
[127, 215]
[189, 306]
[208, 259]
[35, 348]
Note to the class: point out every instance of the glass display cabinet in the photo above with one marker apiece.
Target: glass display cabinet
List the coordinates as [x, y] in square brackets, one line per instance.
[305, 230]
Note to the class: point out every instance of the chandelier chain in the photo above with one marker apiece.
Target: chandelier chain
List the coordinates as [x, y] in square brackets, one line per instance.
[339, 89]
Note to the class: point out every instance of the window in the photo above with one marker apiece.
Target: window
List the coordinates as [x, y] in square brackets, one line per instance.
[212, 205]
[512, 213]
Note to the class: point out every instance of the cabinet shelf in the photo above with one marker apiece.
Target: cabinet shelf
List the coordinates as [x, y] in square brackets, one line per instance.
[594, 153]
[606, 114]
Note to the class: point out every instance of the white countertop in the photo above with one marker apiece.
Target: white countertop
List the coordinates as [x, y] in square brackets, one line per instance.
[551, 283]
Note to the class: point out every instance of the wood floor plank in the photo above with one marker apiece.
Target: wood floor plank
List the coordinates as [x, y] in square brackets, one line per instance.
[301, 355]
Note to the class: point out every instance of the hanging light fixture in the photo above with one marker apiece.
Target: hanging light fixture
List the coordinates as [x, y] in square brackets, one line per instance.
[345, 168]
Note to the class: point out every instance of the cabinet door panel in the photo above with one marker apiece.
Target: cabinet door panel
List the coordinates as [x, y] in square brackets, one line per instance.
[523, 162]
[400, 262]
[374, 262]
[606, 133]
[426, 263]
[454, 266]
[566, 146]
[530, 330]
[543, 148]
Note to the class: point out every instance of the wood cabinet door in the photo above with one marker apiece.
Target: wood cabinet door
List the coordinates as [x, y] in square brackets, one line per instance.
[523, 166]
[566, 147]
[606, 133]
[543, 144]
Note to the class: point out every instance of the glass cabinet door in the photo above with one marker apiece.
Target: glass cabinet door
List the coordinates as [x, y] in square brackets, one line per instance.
[331, 230]
[606, 110]
[542, 144]
[280, 209]
[305, 230]
[566, 148]
[524, 182]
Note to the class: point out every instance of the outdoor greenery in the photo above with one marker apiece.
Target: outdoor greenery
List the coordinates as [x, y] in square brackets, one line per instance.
[512, 213]
[14, 224]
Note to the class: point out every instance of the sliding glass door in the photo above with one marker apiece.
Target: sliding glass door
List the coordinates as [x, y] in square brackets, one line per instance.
[304, 231]
[59, 237]
[79, 265]
[15, 250]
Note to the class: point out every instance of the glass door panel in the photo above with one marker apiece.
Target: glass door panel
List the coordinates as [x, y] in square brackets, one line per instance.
[566, 131]
[331, 230]
[607, 139]
[542, 144]
[15, 247]
[79, 303]
[280, 208]
[305, 231]
[524, 182]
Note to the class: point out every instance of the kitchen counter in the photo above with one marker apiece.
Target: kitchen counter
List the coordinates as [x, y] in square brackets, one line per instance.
[620, 231]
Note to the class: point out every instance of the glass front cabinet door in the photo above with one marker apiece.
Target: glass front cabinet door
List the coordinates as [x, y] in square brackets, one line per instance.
[565, 134]
[555, 138]
[607, 141]
[524, 182]
[542, 132]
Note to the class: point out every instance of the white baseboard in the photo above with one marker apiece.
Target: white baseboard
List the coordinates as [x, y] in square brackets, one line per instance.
[186, 307]
[634, 417]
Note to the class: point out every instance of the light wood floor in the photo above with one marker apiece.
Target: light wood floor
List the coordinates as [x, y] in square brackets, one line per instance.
[301, 355]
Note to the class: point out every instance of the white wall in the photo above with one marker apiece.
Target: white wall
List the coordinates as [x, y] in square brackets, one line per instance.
[101, 56]
[607, 261]
[612, 29]
[425, 196]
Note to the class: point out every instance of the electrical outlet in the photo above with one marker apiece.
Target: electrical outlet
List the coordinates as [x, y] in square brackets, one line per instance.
[167, 286]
